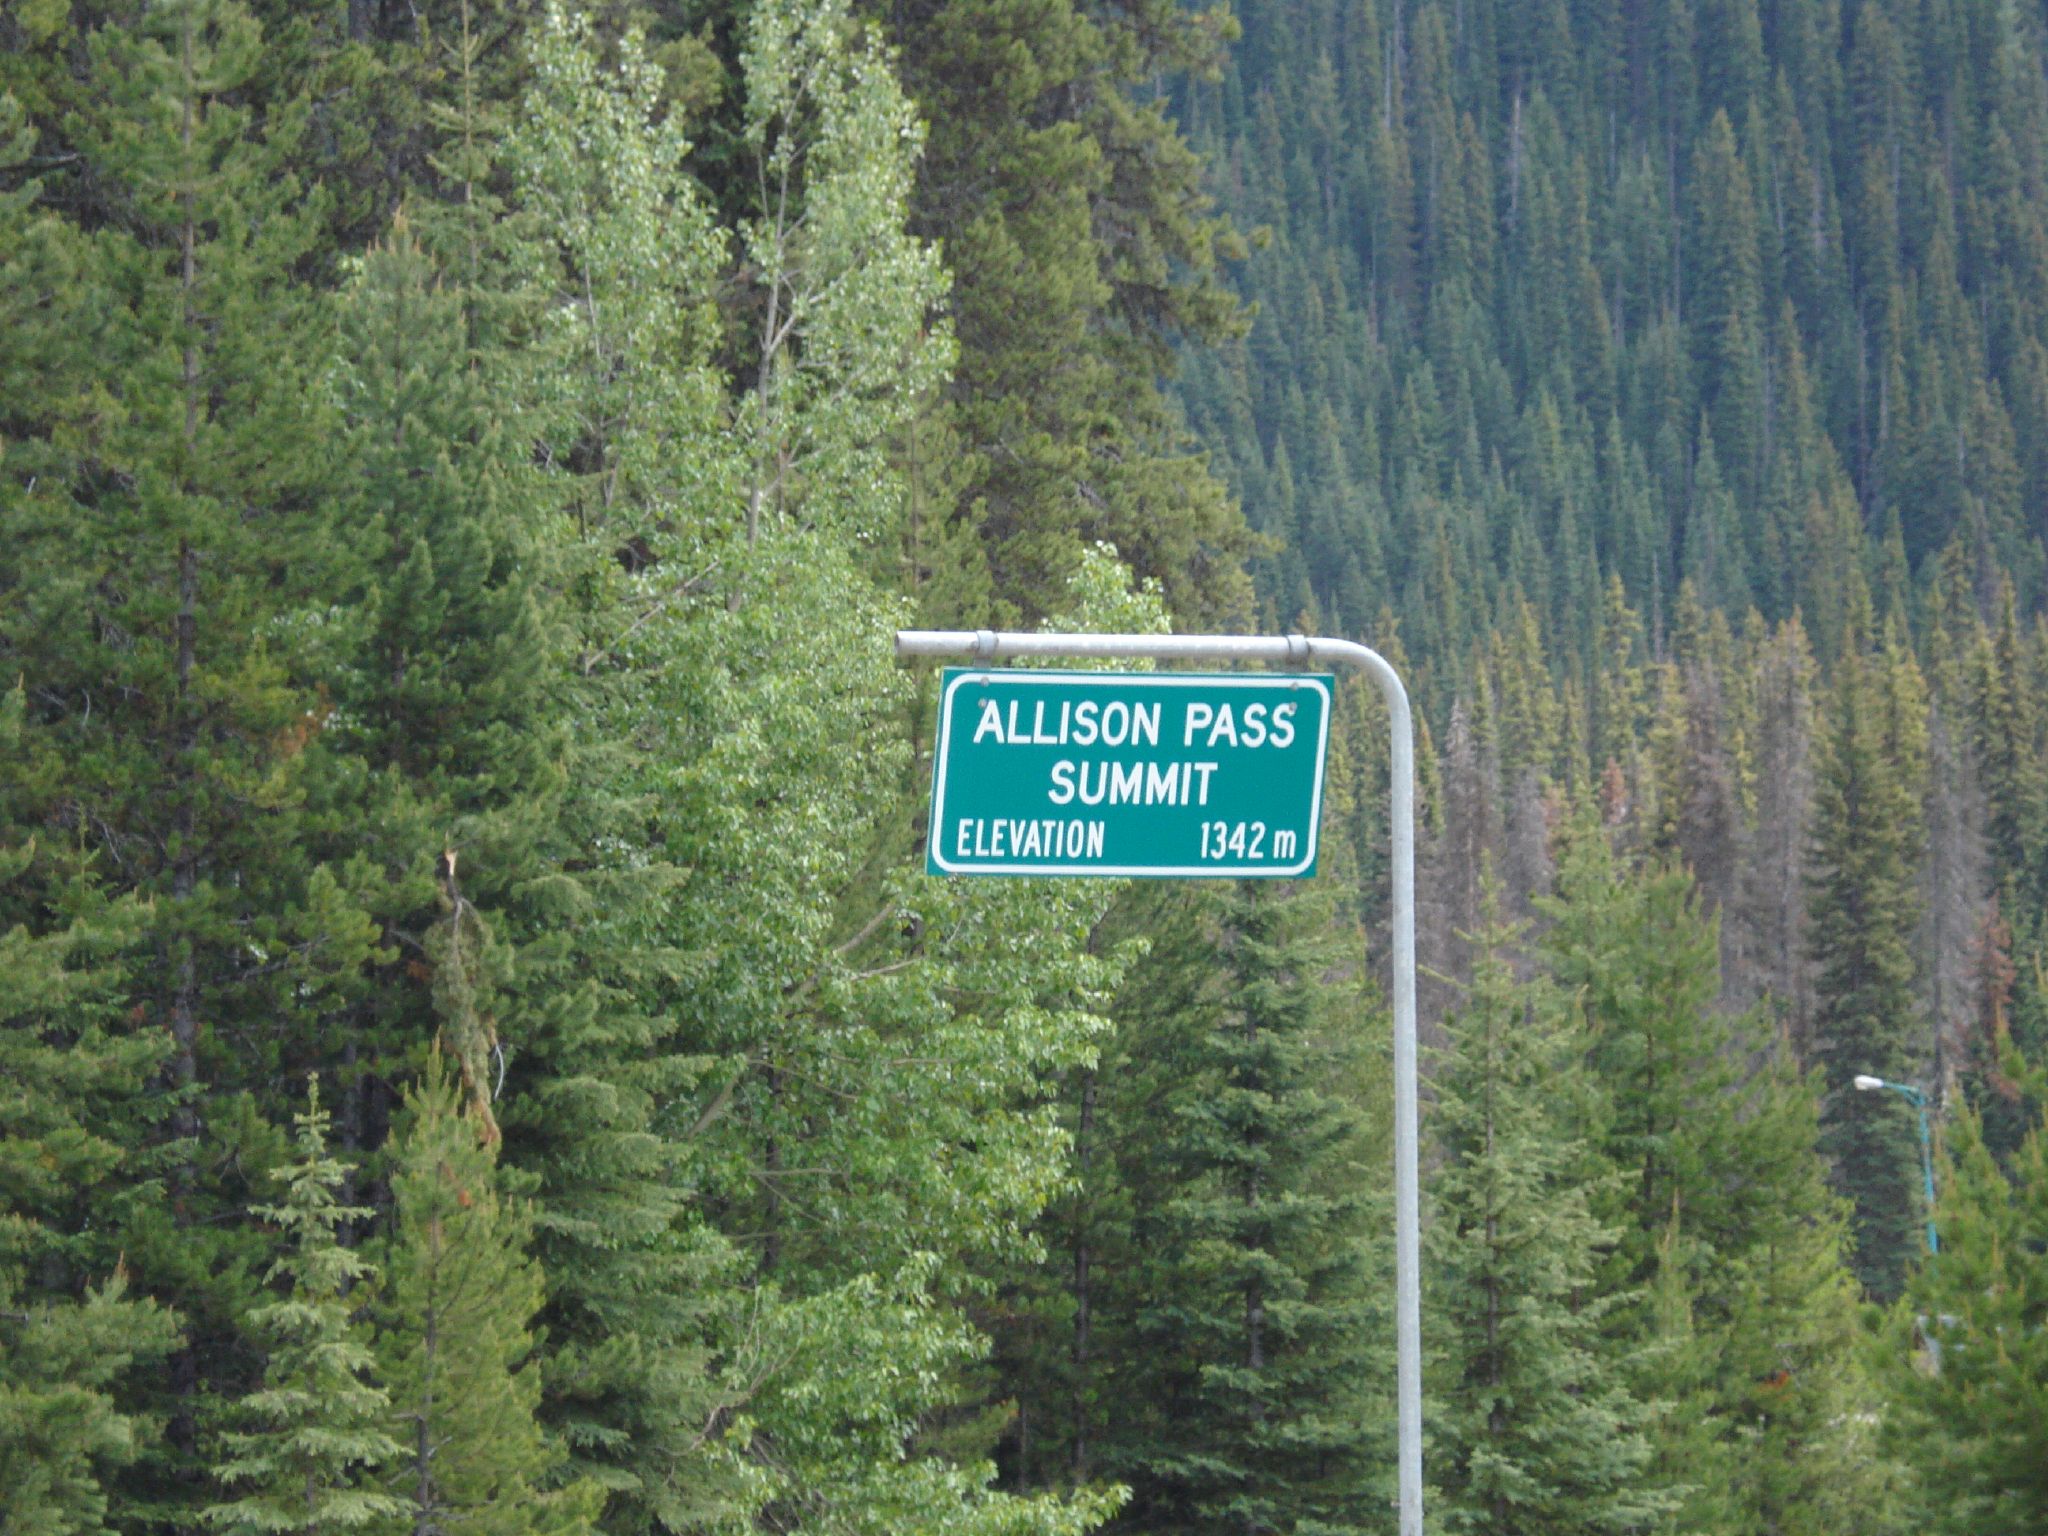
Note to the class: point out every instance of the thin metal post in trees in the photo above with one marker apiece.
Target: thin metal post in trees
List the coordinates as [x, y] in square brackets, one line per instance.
[1299, 653]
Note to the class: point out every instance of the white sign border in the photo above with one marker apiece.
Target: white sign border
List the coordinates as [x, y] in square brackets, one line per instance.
[1025, 675]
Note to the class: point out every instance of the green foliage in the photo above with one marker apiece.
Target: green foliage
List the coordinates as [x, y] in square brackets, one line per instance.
[819, 980]
[1534, 1427]
[1240, 1314]
[845, 353]
[1524, 264]
[2006, 707]
[459, 466]
[454, 1341]
[73, 1112]
[478, 564]
[636, 257]
[1737, 1312]
[62, 1423]
[173, 541]
[1643, 964]
[312, 1436]
[1864, 907]
[1965, 1354]
[1083, 248]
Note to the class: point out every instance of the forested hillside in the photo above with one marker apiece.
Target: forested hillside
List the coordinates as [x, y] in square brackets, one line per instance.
[478, 1050]
[1747, 296]
[1664, 384]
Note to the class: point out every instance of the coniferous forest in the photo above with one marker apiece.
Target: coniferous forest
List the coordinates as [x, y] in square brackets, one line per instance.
[479, 1052]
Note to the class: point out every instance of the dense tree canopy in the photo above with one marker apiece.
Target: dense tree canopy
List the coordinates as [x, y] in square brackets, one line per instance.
[478, 1050]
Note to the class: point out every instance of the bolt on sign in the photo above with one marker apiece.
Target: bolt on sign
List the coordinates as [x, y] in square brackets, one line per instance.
[1177, 775]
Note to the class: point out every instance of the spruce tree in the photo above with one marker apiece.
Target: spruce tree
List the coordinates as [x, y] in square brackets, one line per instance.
[368, 595]
[1793, 1393]
[1065, 1332]
[81, 1118]
[1535, 1428]
[1728, 1240]
[1864, 907]
[1250, 1293]
[76, 1082]
[1072, 211]
[2008, 739]
[311, 1442]
[1642, 962]
[65, 1418]
[174, 559]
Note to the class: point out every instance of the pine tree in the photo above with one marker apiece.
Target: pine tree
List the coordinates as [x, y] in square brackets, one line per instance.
[1642, 962]
[375, 486]
[515, 889]
[1724, 302]
[1793, 1391]
[312, 1440]
[82, 1112]
[454, 1339]
[1066, 1334]
[1618, 684]
[1715, 559]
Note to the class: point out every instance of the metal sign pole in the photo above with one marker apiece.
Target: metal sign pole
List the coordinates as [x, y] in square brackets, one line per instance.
[1300, 652]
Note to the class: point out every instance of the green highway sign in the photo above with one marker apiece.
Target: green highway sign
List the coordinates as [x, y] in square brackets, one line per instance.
[1121, 773]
